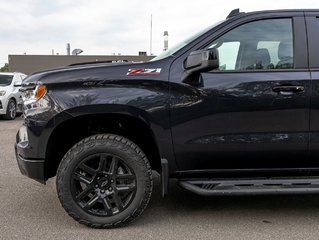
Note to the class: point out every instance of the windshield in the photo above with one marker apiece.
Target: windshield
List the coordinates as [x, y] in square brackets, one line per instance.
[5, 80]
[171, 51]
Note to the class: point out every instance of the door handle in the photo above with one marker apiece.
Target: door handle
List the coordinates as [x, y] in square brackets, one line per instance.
[288, 88]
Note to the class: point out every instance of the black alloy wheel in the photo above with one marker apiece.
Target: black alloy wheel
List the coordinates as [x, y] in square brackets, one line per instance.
[103, 185]
[104, 181]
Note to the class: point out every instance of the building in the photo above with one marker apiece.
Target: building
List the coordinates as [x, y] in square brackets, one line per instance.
[34, 63]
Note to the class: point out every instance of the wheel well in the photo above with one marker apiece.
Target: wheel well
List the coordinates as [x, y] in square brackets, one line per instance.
[13, 98]
[72, 131]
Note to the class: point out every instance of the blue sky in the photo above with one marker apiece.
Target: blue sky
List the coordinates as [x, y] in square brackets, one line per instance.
[107, 27]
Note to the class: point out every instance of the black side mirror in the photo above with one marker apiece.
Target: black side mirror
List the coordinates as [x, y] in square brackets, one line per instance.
[17, 84]
[200, 61]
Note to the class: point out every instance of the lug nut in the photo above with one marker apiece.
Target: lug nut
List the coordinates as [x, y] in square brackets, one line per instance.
[102, 191]
[98, 178]
[96, 186]
[110, 189]
[105, 175]
[112, 181]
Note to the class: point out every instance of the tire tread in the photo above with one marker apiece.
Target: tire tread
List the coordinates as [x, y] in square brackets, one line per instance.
[81, 145]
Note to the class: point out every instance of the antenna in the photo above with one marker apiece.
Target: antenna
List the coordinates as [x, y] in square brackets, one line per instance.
[151, 35]
[233, 13]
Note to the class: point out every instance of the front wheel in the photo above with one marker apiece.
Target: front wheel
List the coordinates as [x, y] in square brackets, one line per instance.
[11, 110]
[104, 181]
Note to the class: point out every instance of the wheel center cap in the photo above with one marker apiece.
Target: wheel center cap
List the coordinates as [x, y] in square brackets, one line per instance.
[103, 184]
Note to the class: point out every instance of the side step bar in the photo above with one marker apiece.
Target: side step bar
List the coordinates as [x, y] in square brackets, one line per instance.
[252, 186]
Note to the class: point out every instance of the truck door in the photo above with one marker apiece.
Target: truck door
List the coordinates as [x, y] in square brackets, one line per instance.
[252, 112]
[312, 23]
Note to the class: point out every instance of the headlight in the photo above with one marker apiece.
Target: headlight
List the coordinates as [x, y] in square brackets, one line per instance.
[30, 96]
[2, 93]
[34, 99]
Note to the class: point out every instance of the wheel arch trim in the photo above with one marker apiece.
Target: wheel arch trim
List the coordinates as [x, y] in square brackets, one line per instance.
[120, 110]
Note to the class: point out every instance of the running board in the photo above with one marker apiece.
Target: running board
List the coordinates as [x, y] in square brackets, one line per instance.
[252, 186]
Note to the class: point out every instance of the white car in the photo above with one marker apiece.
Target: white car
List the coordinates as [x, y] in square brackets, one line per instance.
[10, 97]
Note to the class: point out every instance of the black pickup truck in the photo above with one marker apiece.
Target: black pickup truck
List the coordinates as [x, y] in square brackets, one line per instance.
[232, 110]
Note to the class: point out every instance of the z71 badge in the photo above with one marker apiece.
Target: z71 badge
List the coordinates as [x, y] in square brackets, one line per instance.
[144, 71]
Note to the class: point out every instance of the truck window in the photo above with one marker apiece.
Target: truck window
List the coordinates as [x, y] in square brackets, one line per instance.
[272, 47]
[229, 55]
[258, 45]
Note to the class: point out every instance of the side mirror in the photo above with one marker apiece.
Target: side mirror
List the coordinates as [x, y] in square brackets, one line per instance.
[17, 84]
[199, 61]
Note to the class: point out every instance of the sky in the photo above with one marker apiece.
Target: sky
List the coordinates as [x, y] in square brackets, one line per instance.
[104, 27]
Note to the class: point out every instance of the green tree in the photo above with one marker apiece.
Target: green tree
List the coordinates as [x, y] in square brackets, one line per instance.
[5, 68]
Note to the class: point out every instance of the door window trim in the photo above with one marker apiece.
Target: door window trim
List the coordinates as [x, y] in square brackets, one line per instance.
[299, 39]
[312, 24]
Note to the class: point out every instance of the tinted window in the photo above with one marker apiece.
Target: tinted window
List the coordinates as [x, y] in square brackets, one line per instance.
[5, 80]
[263, 44]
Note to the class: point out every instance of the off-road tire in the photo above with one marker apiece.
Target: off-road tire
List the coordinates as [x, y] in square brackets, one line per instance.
[133, 157]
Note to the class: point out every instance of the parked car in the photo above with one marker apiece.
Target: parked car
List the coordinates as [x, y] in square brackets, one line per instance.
[232, 110]
[10, 97]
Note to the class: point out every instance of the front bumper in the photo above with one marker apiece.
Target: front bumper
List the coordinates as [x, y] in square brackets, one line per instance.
[33, 168]
[3, 106]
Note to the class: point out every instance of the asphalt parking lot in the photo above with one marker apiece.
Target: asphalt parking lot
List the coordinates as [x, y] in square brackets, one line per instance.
[30, 210]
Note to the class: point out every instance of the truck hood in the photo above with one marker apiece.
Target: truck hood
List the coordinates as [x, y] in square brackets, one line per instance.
[155, 70]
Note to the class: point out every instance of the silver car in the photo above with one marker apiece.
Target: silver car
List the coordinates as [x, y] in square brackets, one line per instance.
[10, 97]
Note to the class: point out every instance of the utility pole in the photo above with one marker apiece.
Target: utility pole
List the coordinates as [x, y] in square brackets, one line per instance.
[165, 40]
[151, 37]
[68, 49]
